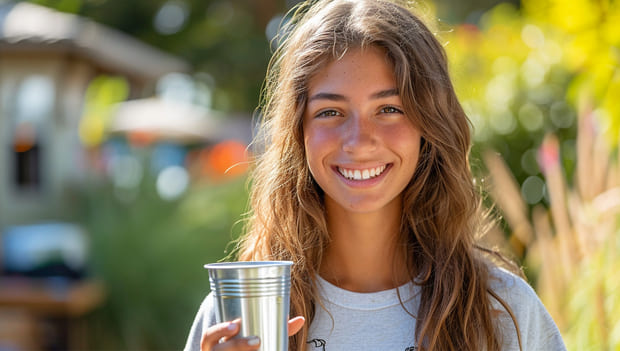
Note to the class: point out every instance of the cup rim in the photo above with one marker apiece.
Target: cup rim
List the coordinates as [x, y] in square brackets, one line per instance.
[246, 264]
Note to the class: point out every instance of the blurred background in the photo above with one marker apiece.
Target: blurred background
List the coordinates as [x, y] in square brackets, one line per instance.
[123, 164]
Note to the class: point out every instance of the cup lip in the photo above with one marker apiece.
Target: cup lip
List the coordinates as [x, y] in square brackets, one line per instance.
[247, 264]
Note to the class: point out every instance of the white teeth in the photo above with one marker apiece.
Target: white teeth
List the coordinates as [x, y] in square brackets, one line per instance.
[363, 174]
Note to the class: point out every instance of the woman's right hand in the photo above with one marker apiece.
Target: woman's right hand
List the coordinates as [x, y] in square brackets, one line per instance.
[219, 336]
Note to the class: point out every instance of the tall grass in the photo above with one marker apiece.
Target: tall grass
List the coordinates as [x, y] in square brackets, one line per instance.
[571, 249]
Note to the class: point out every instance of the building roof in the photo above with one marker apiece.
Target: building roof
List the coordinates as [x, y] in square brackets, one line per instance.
[178, 121]
[30, 27]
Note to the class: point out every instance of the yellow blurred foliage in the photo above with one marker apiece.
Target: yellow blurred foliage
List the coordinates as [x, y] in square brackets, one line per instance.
[578, 37]
[102, 93]
[91, 130]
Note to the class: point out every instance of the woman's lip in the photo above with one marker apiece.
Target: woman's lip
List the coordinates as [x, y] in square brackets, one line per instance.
[360, 168]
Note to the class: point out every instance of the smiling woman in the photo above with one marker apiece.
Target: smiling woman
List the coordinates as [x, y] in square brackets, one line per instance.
[354, 126]
[365, 185]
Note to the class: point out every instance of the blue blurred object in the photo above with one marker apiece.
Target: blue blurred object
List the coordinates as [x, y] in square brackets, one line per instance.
[166, 155]
[45, 250]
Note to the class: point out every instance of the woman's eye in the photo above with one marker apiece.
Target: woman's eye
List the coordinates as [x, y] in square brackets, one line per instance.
[328, 113]
[390, 109]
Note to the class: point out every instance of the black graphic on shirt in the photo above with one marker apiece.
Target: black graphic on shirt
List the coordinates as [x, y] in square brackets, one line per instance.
[321, 343]
[317, 343]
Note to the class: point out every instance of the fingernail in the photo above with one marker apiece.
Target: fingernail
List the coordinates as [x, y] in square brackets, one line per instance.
[253, 341]
[232, 326]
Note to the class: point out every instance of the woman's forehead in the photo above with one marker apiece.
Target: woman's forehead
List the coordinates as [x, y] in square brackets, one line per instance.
[357, 68]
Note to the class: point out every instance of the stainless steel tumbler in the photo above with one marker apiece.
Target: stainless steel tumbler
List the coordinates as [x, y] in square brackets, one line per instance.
[257, 292]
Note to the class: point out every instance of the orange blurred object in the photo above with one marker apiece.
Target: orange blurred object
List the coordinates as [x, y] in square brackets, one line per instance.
[228, 158]
[22, 147]
[25, 136]
[139, 138]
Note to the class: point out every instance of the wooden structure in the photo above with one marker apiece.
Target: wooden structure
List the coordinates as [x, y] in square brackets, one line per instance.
[47, 60]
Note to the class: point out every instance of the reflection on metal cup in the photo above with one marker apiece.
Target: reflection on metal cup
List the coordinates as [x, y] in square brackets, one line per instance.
[257, 292]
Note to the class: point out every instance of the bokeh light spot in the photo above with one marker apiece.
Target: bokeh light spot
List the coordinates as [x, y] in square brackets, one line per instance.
[172, 182]
[503, 122]
[532, 36]
[561, 115]
[126, 171]
[533, 71]
[273, 27]
[171, 17]
[529, 162]
[531, 117]
[532, 189]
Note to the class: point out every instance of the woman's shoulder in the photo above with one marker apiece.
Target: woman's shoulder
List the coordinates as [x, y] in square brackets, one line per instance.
[203, 320]
[508, 284]
[512, 289]
[536, 327]
[207, 310]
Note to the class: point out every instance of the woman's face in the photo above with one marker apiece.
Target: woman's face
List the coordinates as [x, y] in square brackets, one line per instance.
[360, 146]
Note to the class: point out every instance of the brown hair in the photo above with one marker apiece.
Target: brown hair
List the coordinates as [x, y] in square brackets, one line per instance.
[441, 211]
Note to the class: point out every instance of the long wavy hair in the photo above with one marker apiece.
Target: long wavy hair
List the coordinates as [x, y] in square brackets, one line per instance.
[441, 207]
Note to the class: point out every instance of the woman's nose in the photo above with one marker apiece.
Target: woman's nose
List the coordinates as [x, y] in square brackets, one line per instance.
[359, 135]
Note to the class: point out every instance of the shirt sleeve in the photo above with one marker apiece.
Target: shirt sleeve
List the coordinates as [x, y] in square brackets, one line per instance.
[537, 329]
[203, 320]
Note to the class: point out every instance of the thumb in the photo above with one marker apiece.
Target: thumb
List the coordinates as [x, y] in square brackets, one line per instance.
[295, 324]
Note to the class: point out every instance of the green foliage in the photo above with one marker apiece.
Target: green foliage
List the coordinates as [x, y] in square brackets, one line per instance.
[523, 73]
[150, 255]
[509, 77]
[224, 39]
[591, 33]
[221, 38]
[70, 6]
[551, 70]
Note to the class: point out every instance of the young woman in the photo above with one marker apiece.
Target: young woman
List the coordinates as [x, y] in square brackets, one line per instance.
[365, 185]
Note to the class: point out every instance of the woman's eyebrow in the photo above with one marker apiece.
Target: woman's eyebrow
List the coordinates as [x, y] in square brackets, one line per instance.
[339, 97]
[384, 93]
[327, 96]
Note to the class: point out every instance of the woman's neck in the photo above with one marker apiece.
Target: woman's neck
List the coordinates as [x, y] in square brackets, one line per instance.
[364, 254]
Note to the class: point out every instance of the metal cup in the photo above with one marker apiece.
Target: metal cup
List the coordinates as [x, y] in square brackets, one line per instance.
[257, 292]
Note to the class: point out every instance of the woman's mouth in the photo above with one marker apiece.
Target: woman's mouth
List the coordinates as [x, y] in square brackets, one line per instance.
[362, 174]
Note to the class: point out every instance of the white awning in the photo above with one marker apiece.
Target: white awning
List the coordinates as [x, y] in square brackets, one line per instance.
[168, 120]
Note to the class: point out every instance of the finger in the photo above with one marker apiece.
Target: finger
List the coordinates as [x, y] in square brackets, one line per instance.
[239, 344]
[216, 332]
[295, 325]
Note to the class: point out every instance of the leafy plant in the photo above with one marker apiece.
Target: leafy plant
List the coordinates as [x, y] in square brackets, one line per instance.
[150, 253]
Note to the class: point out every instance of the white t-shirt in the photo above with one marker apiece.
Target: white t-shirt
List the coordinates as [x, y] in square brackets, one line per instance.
[377, 321]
